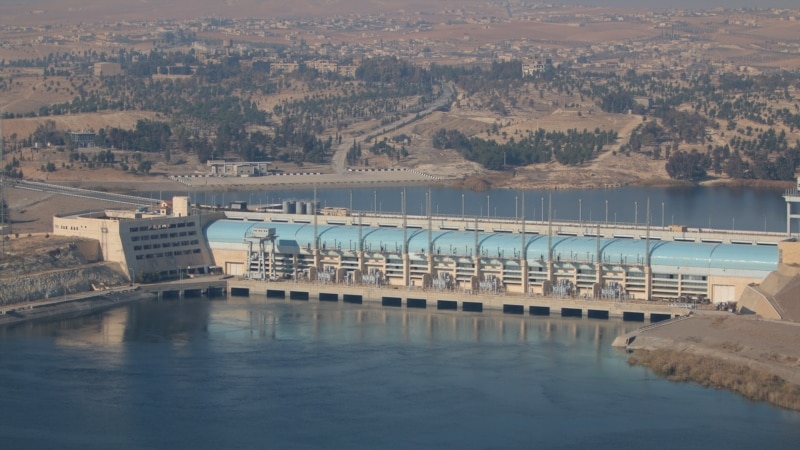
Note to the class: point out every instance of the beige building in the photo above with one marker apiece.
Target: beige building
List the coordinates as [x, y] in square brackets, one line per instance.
[238, 168]
[107, 69]
[148, 245]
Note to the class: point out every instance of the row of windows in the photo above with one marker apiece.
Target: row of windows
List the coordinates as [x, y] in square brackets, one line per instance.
[167, 254]
[164, 236]
[162, 226]
[165, 245]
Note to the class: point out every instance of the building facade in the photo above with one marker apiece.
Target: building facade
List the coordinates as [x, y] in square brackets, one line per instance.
[148, 246]
[495, 261]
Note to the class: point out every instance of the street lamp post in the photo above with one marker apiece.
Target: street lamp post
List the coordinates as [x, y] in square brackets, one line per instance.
[462, 206]
[487, 207]
[606, 212]
[580, 212]
[636, 213]
[662, 214]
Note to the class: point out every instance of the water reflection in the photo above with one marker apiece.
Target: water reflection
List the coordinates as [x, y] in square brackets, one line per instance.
[266, 319]
[199, 373]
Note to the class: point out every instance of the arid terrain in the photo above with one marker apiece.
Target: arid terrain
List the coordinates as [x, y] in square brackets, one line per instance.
[756, 358]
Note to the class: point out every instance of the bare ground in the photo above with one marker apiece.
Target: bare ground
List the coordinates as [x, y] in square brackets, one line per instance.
[765, 347]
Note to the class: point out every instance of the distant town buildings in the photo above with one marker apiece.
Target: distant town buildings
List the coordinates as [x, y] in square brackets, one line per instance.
[221, 168]
[82, 138]
[107, 69]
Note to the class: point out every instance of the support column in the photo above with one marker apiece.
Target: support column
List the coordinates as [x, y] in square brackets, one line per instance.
[406, 269]
[360, 253]
[523, 253]
[598, 266]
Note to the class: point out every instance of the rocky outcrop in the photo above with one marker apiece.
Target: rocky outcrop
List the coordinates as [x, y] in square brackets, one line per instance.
[41, 268]
[56, 283]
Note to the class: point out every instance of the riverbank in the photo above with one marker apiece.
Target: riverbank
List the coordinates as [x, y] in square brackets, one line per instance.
[758, 359]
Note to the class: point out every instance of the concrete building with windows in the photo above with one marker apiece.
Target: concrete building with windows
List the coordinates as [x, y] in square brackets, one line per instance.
[222, 168]
[149, 246]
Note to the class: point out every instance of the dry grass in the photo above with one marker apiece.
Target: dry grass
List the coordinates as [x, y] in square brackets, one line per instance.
[715, 373]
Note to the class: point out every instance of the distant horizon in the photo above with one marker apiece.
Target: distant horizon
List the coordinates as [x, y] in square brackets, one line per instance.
[635, 4]
[688, 4]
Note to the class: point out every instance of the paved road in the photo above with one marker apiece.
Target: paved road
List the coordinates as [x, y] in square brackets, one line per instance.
[339, 160]
[85, 193]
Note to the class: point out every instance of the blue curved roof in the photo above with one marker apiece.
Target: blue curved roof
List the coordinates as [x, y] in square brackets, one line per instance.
[507, 245]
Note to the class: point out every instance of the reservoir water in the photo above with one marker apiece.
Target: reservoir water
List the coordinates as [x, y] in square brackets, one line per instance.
[258, 373]
[718, 207]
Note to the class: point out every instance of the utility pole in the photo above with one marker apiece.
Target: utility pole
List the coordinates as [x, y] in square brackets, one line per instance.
[5, 223]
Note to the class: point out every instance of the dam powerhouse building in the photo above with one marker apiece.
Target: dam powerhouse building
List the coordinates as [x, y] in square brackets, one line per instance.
[302, 243]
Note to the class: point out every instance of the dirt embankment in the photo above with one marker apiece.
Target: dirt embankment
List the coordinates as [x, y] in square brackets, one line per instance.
[758, 359]
[38, 268]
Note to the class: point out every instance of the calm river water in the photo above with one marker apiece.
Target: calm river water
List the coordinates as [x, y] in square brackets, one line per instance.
[258, 373]
[706, 207]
